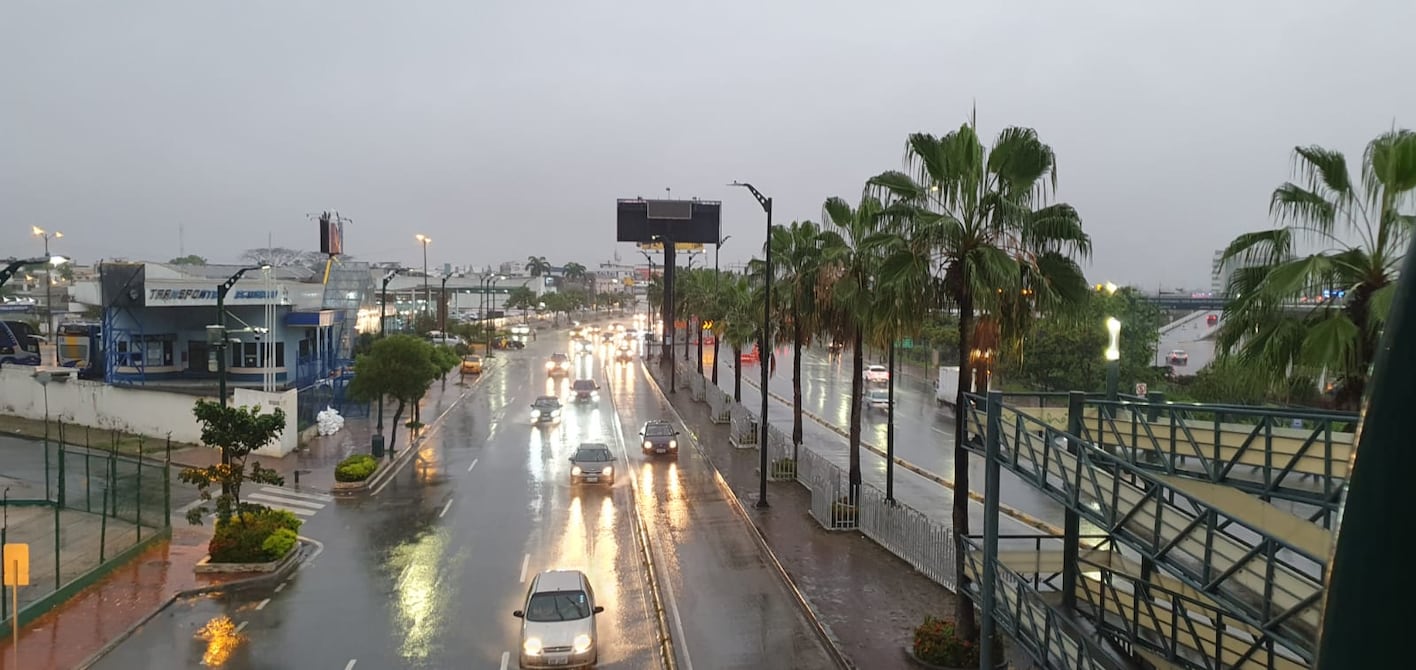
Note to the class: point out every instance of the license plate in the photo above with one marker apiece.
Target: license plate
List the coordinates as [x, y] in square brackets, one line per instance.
[661, 450]
[557, 661]
[592, 479]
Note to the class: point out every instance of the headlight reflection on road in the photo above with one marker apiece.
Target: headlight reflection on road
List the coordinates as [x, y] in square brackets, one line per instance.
[222, 640]
[417, 596]
[573, 551]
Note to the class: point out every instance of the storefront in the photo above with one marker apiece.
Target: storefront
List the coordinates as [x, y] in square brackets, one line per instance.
[283, 328]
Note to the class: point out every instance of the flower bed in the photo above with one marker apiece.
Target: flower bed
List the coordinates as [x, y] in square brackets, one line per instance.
[937, 645]
[356, 468]
[260, 536]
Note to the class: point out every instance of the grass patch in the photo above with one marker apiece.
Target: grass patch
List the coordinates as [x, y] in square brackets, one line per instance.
[83, 436]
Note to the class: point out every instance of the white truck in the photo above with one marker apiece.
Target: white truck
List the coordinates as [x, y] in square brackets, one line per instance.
[946, 390]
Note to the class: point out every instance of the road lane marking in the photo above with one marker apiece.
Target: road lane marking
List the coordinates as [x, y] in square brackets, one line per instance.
[318, 497]
[261, 605]
[444, 509]
[281, 501]
[242, 626]
[525, 561]
[403, 577]
[474, 464]
[350, 664]
[281, 587]
[506, 658]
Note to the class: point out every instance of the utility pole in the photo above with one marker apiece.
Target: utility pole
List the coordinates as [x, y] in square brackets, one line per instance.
[764, 360]
[49, 289]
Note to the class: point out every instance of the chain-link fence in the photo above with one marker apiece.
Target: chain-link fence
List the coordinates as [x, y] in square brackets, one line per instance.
[81, 507]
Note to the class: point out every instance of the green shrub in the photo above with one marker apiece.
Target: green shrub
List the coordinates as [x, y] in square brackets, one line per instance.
[937, 643]
[356, 468]
[279, 543]
[247, 538]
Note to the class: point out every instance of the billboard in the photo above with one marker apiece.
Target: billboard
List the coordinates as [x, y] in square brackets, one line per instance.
[331, 234]
[680, 221]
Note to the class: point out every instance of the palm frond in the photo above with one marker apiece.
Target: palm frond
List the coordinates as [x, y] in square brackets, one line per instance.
[1323, 167]
[1264, 247]
[1331, 342]
[1024, 165]
[1291, 203]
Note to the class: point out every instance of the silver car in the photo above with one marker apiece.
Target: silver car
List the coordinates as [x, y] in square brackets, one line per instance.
[558, 621]
[592, 464]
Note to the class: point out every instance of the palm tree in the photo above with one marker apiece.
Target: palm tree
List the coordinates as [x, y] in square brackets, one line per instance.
[739, 322]
[847, 250]
[1335, 337]
[797, 249]
[573, 271]
[983, 214]
[538, 265]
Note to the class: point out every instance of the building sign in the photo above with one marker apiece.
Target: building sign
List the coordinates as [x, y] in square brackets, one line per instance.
[192, 296]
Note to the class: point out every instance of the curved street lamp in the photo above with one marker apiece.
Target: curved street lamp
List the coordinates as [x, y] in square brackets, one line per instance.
[766, 351]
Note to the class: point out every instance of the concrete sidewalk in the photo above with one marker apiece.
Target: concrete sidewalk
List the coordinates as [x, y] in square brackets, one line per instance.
[870, 599]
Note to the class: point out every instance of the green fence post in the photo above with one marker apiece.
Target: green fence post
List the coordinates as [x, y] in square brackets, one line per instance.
[138, 493]
[167, 485]
[4, 590]
[47, 494]
[103, 526]
[113, 481]
[88, 481]
[60, 484]
[57, 556]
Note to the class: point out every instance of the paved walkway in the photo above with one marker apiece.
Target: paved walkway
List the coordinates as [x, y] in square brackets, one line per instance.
[870, 599]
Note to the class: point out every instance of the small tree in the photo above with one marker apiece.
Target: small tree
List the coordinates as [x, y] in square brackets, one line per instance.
[236, 431]
[522, 298]
[398, 366]
[445, 359]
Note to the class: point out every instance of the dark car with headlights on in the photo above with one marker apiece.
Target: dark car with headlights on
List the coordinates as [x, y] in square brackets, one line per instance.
[659, 437]
[558, 366]
[592, 464]
[584, 390]
[546, 409]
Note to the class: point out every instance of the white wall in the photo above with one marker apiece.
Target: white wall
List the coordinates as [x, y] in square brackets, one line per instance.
[155, 414]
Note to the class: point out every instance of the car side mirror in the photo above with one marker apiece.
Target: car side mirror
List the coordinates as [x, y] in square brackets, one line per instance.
[598, 609]
[571, 459]
[518, 614]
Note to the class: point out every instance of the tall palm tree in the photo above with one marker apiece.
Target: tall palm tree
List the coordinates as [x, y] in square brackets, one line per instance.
[1327, 209]
[537, 265]
[984, 214]
[574, 271]
[848, 250]
[740, 312]
[797, 250]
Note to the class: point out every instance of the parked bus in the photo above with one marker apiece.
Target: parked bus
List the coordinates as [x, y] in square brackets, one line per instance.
[81, 346]
[19, 344]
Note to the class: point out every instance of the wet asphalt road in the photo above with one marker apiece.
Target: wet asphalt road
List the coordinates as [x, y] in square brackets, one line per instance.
[426, 572]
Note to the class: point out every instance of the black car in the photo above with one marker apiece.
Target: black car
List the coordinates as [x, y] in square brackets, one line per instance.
[659, 437]
[584, 390]
[592, 463]
[546, 409]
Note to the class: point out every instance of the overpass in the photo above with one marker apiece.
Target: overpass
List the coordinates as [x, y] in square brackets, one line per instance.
[1218, 524]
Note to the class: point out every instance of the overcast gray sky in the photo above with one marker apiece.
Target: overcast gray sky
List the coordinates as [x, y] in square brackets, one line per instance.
[507, 128]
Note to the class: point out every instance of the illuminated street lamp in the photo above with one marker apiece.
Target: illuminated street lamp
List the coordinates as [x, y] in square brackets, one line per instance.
[48, 285]
[1113, 357]
[427, 291]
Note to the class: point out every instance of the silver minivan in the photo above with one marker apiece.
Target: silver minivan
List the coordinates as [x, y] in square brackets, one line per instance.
[558, 621]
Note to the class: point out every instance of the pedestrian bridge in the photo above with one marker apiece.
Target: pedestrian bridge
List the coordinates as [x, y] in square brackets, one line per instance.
[1217, 523]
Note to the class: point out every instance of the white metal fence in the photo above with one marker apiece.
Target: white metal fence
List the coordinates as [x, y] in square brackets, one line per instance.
[926, 544]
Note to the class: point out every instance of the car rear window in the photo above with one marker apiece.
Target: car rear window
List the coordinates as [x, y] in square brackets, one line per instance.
[583, 385]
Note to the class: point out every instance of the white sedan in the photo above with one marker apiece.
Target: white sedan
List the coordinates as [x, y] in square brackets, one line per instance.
[877, 374]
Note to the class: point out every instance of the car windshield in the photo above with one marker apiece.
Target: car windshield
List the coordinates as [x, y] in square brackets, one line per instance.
[879, 395]
[547, 402]
[583, 385]
[558, 606]
[658, 430]
[559, 357]
[592, 454]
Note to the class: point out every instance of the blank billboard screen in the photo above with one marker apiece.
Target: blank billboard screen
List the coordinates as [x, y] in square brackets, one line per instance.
[678, 210]
[691, 221]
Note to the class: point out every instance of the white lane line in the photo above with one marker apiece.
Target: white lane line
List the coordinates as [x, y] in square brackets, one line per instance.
[506, 658]
[403, 577]
[318, 497]
[279, 500]
[241, 626]
[298, 511]
[350, 664]
[474, 464]
[525, 561]
[444, 509]
[281, 587]
[261, 605]
[396, 470]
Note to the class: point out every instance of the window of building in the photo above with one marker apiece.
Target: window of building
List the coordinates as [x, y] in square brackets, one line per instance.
[249, 355]
[146, 351]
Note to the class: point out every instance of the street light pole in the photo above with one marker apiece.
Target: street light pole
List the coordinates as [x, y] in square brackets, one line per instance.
[376, 446]
[427, 291]
[49, 288]
[443, 306]
[766, 355]
[224, 344]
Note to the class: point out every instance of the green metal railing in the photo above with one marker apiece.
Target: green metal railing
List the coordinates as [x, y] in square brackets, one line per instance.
[101, 503]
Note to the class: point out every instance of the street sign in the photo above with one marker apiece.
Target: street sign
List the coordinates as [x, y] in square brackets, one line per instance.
[1141, 388]
[16, 557]
[907, 343]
